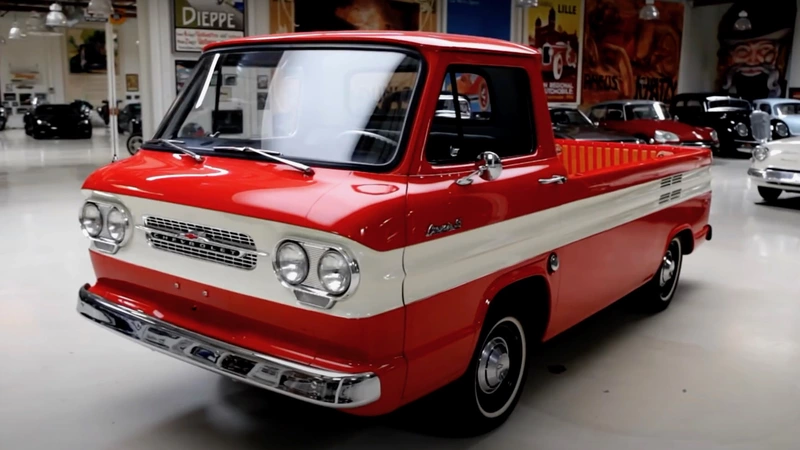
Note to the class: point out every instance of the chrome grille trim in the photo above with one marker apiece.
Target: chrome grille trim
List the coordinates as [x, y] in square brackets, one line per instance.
[213, 233]
[202, 242]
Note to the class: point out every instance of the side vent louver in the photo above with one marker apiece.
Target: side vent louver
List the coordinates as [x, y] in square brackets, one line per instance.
[670, 181]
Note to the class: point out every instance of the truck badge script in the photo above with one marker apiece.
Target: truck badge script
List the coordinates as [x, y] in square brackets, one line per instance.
[438, 229]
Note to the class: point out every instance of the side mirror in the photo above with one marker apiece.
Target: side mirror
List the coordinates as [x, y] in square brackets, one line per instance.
[489, 167]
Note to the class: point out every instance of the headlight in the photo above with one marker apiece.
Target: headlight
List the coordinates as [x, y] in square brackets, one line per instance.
[741, 129]
[84, 122]
[663, 137]
[39, 122]
[714, 136]
[91, 219]
[334, 272]
[291, 263]
[781, 129]
[117, 223]
[760, 153]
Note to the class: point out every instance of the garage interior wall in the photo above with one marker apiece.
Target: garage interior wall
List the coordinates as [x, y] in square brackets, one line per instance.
[47, 55]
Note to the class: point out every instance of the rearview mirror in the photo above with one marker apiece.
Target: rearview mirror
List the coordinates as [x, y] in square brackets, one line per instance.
[489, 167]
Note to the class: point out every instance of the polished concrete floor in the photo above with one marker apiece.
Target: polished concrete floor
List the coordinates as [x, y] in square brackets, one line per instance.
[720, 369]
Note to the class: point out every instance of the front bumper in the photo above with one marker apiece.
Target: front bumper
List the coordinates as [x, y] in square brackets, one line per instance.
[775, 178]
[321, 387]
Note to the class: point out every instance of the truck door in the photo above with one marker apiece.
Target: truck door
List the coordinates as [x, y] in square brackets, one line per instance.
[463, 228]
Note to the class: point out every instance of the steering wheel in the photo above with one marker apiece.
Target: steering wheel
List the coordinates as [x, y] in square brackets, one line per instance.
[370, 135]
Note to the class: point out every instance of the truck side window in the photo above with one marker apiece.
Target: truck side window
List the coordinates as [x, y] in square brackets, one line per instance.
[615, 113]
[494, 113]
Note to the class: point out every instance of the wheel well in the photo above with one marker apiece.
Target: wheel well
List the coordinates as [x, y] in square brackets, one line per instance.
[530, 297]
[687, 241]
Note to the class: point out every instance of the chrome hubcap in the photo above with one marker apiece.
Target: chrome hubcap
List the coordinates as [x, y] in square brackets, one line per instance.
[494, 365]
[667, 269]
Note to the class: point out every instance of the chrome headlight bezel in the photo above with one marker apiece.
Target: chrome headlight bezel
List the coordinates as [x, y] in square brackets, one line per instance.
[781, 129]
[82, 215]
[343, 263]
[714, 136]
[666, 137]
[103, 241]
[741, 129]
[311, 291]
[760, 153]
[124, 223]
[279, 266]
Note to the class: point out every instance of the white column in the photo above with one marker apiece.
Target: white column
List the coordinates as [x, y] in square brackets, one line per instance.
[793, 69]
[112, 90]
[157, 65]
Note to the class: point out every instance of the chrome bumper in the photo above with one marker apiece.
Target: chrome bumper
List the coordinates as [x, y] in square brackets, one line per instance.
[318, 386]
[776, 177]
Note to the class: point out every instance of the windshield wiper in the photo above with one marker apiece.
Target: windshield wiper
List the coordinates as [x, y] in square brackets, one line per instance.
[174, 144]
[272, 155]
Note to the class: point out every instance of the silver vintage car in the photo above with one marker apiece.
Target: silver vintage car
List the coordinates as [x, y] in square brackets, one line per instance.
[784, 115]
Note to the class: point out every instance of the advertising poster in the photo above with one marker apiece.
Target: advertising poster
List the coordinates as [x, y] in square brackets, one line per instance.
[752, 62]
[288, 16]
[628, 58]
[201, 22]
[554, 28]
[479, 18]
[86, 51]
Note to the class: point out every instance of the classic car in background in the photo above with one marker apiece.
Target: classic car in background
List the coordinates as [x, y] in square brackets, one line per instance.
[572, 123]
[728, 116]
[135, 139]
[57, 120]
[126, 115]
[651, 121]
[556, 56]
[775, 168]
[3, 118]
[784, 114]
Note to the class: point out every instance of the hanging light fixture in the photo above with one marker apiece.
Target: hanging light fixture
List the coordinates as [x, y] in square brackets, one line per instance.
[36, 27]
[15, 32]
[56, 17]
[743, 22]
[102, 8]
[649, 11]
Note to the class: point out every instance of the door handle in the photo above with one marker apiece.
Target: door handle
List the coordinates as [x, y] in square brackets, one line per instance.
[555, 179]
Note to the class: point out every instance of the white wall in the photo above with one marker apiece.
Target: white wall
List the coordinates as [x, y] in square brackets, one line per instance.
[48, 56]
[793, 69]
[698, 70]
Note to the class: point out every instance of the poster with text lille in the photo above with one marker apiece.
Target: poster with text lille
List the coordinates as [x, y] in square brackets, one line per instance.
[554, 28]
[625, 57]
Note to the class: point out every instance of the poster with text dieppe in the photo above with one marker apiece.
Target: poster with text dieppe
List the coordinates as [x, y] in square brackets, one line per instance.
[554, 28]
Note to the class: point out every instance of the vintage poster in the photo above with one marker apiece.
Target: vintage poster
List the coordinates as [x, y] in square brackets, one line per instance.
[288, 16]
[479, 18]
[86, 51]
[625, 57]
[201, 22]
[752, 62]
[554, 28]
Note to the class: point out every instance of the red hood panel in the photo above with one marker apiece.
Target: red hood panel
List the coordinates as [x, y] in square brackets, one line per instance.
[367, 208]
[684, 131]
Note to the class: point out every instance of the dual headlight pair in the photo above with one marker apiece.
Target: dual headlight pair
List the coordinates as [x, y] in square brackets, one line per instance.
[336, 272]
[104, 222]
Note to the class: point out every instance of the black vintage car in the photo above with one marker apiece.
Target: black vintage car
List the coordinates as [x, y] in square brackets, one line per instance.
[572, 123]
[728, 116]
[126, 115]
[3, 118]
[135, 139]
[57, 120]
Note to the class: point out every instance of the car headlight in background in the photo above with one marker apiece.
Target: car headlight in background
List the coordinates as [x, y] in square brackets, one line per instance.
[781, 129]
[760, 153]
[714, 136]
[741, 129]
[334, 272]
[663, 137]
[117, 224]
[91, 219]
[291, 263]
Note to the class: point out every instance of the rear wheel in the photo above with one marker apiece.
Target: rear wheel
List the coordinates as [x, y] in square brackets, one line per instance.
[484, 397]
[134, 143]
[657, 294]
[769, 194]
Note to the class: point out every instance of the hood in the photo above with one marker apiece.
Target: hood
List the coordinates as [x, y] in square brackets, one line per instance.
[364, 207]
[684, 131]
[588, 133]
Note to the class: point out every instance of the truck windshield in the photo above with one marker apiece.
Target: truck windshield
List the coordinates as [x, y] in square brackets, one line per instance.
[341, 106]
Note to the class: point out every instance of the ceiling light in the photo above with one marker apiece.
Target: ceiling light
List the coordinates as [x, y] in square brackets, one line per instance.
[35, 26]
[100, 8]
[743, 22]
[649, 11]
[56, 17]
[15, 32]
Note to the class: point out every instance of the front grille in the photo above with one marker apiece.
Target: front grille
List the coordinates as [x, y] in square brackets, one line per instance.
[237, 257]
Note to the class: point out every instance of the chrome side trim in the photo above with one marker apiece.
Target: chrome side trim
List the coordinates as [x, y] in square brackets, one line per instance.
[318, 386]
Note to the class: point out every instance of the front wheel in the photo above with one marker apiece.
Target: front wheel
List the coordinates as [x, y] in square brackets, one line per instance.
[657, 294]
[484, 397]
[769, 194]
[134, 144]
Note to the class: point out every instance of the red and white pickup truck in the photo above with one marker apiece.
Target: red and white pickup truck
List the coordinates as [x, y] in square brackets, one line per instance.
[306, 222]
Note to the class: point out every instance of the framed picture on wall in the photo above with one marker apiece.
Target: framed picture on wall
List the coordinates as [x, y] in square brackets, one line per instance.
[132, 82]
[9, 97]
[25, 99]
[22, 110]
[261, 100]
[230, 80]
[263, 81]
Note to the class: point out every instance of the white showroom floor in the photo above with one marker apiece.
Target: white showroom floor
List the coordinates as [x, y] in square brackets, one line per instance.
[718, 370]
